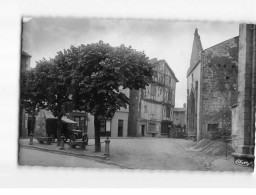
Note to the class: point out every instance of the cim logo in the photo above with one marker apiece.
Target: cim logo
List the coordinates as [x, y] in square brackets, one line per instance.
[243, 163]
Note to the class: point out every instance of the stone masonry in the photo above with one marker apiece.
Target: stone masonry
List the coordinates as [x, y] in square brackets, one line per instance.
[212, 88]
[245, 112]
[219, 88]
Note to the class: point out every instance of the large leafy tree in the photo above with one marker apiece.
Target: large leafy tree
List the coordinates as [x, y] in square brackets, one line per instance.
[32, 97]
[48, 86]
[99, 73]
[55, 82]
[93, 74]
[29, 98]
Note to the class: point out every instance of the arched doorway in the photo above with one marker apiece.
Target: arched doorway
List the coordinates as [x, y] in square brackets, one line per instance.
[192, 115]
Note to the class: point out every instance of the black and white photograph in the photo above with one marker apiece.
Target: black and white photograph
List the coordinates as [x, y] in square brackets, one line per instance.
[137, 94]
[122, 94]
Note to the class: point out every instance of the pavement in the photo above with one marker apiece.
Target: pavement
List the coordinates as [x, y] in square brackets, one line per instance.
[48, 159]
[147, 153]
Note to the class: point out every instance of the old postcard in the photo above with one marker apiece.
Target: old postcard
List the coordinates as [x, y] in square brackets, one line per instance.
[137, 94]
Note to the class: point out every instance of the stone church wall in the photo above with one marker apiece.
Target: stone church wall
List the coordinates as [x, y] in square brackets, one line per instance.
[219, 87]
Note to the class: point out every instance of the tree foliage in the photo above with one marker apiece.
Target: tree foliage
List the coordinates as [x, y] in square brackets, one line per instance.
[93, 74]
[31, 95]
[100, 73]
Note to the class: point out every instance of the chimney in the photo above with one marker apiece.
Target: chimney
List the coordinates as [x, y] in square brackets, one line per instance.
[184, 105]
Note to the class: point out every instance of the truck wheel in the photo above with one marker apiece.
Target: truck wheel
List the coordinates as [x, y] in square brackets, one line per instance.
[53, 137]
[73, 137]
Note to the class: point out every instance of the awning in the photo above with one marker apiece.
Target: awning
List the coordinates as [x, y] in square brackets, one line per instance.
[65, 119]
[49, 115]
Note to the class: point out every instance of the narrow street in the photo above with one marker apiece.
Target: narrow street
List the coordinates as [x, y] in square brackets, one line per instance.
[155, 153]
[40, 158]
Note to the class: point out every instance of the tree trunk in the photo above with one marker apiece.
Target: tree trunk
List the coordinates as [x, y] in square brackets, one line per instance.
[97, 133]
[33, 124]
[59, 129]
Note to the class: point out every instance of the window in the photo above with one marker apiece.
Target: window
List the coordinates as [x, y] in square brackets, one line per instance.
[102, 125]
[120, 128]
[170, 95]
[145, 109]
[155, 76]
[105, 128]
[144, 93]
[108, 125]
[161, 78]
[151, 127]
[153, 116]
[168, 110]
[153, 90]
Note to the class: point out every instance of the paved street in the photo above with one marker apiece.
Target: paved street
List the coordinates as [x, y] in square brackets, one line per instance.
[35, 157]
[154, 153]
[133, 153]
[168, 154]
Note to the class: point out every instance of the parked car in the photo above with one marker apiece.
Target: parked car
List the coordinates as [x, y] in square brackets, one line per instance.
[69, 130]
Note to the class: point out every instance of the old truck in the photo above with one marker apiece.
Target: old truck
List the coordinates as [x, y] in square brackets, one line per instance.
[69, 130]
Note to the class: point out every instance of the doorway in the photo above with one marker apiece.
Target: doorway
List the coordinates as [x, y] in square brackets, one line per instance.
[120, 128]
[142, 130]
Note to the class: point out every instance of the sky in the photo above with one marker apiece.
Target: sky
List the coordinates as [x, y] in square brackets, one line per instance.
[161, 39]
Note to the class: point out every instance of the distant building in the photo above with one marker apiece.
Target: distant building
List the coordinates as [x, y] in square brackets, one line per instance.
[211, 88]
[179, 116]
[151, 110]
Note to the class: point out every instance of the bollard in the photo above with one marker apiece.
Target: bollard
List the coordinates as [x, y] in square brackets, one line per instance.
[226, 148]
[107, 154]
[31, 138]
[227, 141]
[62, 142]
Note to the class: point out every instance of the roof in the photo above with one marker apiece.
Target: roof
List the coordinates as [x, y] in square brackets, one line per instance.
[25, 54]
[191, 68]
[196, 49]
[154, 60]
[196, 53]
[236, 37]
[179, 110]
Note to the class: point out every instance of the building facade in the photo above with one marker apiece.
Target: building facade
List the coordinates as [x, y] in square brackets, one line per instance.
[180, 116]
[24, 124]
[151, 109]
[211, 88]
